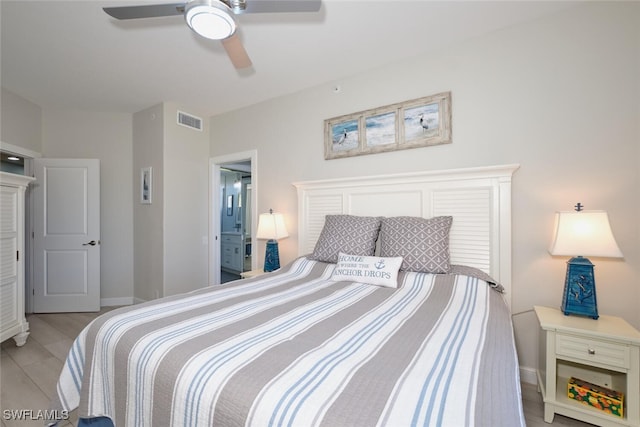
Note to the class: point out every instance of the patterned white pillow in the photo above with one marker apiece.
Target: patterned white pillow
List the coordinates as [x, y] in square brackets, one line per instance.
[346, 233]
[367, 269]
[422, 243]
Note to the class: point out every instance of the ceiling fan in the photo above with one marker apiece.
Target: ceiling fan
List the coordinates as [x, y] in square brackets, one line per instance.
[215, 19]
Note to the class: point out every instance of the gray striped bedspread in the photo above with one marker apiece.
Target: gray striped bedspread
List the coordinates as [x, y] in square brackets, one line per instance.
[294, 348]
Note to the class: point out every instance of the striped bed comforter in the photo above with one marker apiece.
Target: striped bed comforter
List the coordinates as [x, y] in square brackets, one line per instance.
[294, 348]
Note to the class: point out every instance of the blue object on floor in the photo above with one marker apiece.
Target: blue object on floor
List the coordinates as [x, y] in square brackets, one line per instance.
[95, 422]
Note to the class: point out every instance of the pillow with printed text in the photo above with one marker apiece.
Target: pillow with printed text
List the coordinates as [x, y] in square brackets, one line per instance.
[370, 270]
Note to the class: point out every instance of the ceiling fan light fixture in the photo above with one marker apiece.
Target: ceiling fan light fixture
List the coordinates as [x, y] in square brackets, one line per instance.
[238, 6]
[211, 19]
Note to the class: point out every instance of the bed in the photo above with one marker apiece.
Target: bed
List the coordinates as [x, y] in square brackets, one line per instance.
[354, 332]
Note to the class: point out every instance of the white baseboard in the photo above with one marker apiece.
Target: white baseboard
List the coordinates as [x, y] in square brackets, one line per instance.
[112, 302]
[137, 300]
[528, 375]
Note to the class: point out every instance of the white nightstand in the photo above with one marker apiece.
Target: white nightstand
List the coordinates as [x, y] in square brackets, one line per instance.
[252, 273]
[604, 352]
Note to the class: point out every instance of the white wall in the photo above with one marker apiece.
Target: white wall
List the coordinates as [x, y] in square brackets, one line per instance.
[20, 122]
[186, 200]
[169, 240]
[171, 234]
[107, 137]
[79, 134]
[559, 95]
[148, 219]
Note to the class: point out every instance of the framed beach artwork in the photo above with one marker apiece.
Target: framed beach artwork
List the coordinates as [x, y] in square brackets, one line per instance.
[381, 130]
[342, 137]
[146, 185]
[426, 121]
[416, 123]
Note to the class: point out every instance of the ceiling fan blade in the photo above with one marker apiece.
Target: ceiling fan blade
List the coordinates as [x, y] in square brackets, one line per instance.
[238, 56]
[275, 6]
[145, 11]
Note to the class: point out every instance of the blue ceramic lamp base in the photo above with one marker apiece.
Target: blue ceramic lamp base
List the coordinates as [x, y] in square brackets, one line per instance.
[272, 257]
[579, 295]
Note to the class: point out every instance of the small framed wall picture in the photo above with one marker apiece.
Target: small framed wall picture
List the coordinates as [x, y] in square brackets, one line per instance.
[342, 137]
[426, 121]
[146, 185]
[380, 131]
[230, 205]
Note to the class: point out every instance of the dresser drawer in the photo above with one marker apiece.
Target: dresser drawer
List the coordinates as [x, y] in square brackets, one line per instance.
[593, 350]
[231, 255]
[231, 238]
[227, 260]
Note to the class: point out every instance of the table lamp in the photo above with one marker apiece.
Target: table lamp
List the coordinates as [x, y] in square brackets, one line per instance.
[587, 233]
[271, 226]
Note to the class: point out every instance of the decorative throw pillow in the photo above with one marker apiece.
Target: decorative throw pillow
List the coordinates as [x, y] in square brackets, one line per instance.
[422, 243]
[368, 269]
[346, 233]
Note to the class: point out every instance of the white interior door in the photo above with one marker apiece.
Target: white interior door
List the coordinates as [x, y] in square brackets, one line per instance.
[66, 234]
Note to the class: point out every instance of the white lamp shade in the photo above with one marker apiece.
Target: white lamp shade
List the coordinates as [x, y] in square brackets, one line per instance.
[211, 19]
[584, 233]
[271, 226]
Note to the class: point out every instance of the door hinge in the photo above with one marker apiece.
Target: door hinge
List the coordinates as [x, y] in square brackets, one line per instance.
[17, 255]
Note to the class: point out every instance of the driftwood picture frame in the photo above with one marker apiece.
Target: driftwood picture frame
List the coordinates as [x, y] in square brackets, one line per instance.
[416, 123]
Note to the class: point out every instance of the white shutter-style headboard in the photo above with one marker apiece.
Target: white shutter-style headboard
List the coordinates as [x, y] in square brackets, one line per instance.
[479, 199]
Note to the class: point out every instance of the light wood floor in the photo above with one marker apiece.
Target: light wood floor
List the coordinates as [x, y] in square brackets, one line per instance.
[29, 373]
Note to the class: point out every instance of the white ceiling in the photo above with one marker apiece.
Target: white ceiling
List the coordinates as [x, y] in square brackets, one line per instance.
[71, 55]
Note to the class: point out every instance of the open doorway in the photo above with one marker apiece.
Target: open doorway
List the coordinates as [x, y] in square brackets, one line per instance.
[233, 217]
[235, 227]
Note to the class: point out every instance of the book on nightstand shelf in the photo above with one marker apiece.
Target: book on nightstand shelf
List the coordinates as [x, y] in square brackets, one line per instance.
[602, 398]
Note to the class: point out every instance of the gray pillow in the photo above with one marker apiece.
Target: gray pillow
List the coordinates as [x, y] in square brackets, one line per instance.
[355, 235]
[422, 243]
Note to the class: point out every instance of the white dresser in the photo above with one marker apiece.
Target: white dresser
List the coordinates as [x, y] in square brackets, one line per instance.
[13, 323]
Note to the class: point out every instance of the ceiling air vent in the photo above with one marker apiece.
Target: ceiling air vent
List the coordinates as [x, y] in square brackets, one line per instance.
[189, 121]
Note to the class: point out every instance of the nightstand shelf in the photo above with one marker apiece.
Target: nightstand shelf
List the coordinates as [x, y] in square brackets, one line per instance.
[604, 352]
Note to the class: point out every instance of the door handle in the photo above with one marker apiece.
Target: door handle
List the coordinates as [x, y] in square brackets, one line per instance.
[91, 243]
